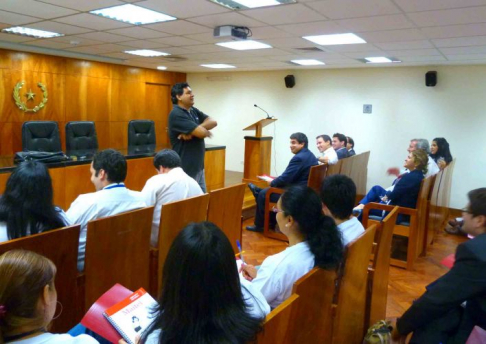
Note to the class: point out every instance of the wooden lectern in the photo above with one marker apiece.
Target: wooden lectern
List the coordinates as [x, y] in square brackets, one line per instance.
[258, 151]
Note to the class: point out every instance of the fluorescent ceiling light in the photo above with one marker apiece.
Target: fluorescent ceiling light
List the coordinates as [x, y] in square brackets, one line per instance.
[133, 14]
[217, 65]
[245, 4]
[161, 67]
[307, 62]
[244, 45]
[342, 38]
[146, 53]
[25, 31]
[381, 59]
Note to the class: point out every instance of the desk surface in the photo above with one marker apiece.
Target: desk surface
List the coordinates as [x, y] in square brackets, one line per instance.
[82, 157]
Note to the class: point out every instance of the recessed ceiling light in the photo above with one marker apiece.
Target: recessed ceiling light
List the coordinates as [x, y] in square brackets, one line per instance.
[25, 31]
[307, 62]
[381, 59]
[342, 38]
[244, 4]
[217, 65]
[146, 53]
[133, 14]
[244, 45]
[161, 67]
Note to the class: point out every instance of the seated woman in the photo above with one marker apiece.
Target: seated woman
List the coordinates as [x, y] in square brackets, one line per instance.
[202, 300]
[26, 206]
[439, 151]
[28, 300]
[406, 187]
[314, 240]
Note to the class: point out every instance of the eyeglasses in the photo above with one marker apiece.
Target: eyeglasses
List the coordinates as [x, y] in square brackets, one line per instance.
[276, 210]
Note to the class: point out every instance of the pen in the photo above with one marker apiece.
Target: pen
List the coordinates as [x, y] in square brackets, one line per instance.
[241, 252]
[236, 255]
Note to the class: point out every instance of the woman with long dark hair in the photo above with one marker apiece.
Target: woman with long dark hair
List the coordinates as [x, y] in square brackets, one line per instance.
[440, 152]
[314, 240]
[202, 300]
[26, 207]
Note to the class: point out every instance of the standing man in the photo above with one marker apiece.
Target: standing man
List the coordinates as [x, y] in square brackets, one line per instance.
[339, 142]
[187, 129]
[328, 154]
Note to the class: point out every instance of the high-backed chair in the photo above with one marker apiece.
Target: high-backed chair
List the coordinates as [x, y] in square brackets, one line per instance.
[312, 317]
[117, 251]
[41, 136]
[60, 246]
[349, 321]
[278, 327]
[81, 135]
[173, 218]
[414, 230]
[335, 169]
[224, 210]
[316, 176]
[141, 132]
[378, 273]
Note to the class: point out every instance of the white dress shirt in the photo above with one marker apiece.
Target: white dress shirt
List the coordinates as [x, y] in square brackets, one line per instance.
[330, 153]
[51, 338]
[350, 230]
[164, 188]
[277, 274]
[111, 200]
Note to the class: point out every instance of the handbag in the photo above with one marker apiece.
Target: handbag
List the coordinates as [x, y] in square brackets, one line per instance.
[379, 333]
[45, 157]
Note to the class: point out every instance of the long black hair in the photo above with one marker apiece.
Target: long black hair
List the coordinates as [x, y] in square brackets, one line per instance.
[26, 206]
[443, 150]
[319, 230]
[201, 300]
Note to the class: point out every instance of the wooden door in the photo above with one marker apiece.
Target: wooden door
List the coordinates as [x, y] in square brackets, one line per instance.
[157, 108]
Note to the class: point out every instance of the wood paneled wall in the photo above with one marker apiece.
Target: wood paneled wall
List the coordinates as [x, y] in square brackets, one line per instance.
[109, 94]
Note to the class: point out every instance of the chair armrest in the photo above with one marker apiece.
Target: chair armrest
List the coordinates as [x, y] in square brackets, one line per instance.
[385, 207]
[270, 192]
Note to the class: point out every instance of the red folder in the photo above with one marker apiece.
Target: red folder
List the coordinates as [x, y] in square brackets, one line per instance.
[95, 320]
[449, 261]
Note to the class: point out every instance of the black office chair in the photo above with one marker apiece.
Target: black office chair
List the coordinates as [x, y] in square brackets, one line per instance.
[41, 136]
[141, 133]
[81, 136]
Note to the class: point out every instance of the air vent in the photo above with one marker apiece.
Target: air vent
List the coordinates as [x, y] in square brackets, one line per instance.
[173, 58]
[312, 49]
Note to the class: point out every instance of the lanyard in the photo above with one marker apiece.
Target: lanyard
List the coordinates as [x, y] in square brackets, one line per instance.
[121, 185]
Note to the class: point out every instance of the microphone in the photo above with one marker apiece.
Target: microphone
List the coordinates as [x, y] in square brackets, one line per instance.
[268, 116]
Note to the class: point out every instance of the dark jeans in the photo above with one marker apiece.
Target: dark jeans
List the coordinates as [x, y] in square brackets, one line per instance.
[260, 208]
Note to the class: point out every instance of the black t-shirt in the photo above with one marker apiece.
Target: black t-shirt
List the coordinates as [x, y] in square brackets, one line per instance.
[191, 152]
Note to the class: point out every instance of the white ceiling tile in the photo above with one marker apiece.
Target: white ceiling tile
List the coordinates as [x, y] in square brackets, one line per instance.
[8, 37]
[341, 9]
[232, 18]
[364, 54]
[206, 37]
[184, 8]
[59, 28]
[80, 41]
[267, 52]
[416, 52]
[175, 41]
[391, 22]
[422, 58]
[291, 42]
[464, 50]
[92, 21]
[276, 64]
[16, 19]
[460, 42]
[343, 62]
[104, 37]
[92, 49]
[392, 36]
[175, 50]
[179, 27]
[428, 5]
[455, 30]
[84, 5]
[205, 48]
[463, 57]
[144, 44]
[449, 17]
[268, 32]
[34, 8]
[285, 14]
[351, 48]
[316, 28]
[122, 56]
[139, 32]
[46, 43]
[405, 45]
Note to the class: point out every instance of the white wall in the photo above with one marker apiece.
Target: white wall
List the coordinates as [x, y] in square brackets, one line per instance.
[329, 101]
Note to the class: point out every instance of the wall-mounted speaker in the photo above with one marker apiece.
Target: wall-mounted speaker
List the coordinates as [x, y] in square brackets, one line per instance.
[431, 79]
[289, 81]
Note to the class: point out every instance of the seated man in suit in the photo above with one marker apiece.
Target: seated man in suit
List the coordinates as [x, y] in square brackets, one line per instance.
[296, 173]
[338, 194]
[108, 172]
[339, 142]
[350, 146]
[328, 154]
[169, 185]
[439, 315]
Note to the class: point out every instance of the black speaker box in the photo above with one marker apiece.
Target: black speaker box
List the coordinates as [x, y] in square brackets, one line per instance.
[289, 81]
[430, 79]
